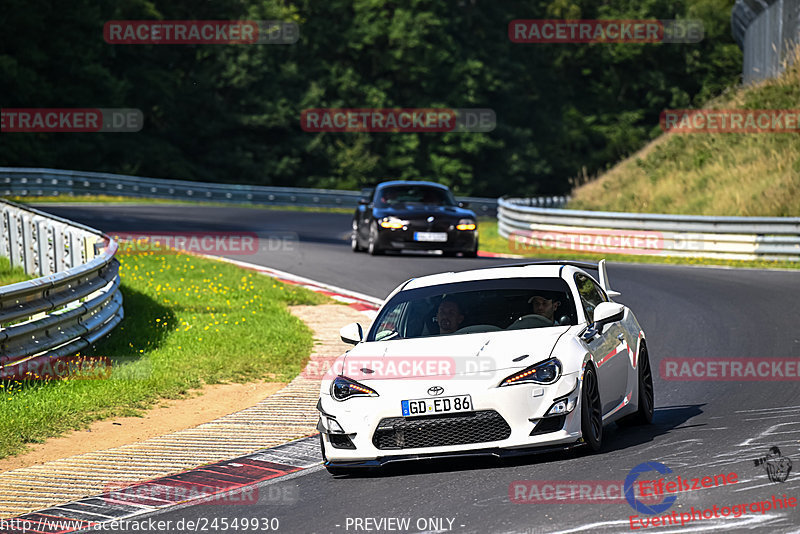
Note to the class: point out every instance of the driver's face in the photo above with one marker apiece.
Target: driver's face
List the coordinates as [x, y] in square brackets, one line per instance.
[449, 317]
[545, 307]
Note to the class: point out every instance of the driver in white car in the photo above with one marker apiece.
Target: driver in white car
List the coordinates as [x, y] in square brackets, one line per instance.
[545, 307]
[449, 316]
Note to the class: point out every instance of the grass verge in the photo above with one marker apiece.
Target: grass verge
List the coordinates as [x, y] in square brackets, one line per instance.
[188, 321]
[9, 275]
[490, 241]
[751, 174]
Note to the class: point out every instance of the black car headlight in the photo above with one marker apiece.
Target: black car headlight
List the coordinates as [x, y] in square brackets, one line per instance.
[393, 223]
[342, 388]
[545, 372]
[466, 224]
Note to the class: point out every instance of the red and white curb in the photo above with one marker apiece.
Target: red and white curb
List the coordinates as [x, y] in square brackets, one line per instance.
[230, 482]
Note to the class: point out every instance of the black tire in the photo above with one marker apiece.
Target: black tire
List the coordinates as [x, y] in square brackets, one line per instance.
[644, 414]
[472, 253]
[372, 247]
[354, 239]
[591, 411]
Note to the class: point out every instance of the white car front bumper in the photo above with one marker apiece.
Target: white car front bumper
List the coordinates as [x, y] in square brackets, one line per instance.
[518, 410]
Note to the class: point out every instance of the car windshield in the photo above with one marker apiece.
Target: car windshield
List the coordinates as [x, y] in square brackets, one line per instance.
[414, 194]
[476, 306]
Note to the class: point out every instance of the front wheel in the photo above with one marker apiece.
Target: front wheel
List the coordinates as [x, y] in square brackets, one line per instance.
[373, 247]
[354, 238]
[472, 253]
[591, 411]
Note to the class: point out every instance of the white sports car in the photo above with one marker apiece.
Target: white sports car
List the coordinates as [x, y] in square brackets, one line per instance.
[491, 361]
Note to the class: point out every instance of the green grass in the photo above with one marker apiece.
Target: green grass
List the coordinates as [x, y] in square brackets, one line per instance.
[490, 241]
[108, 199]
[9, 275]
[188, 321]
[711, 174]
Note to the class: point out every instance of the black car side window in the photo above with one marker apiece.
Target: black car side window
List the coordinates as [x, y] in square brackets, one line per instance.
[590, 294]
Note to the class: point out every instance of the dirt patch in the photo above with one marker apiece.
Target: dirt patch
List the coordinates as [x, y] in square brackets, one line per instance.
[172, 415]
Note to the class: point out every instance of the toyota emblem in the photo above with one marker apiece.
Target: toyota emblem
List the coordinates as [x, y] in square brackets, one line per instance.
[435, 390]
[430, 219]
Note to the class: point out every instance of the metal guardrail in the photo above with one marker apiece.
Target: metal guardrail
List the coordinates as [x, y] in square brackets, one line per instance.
[742, 238]
[51, 182]
[76, 299]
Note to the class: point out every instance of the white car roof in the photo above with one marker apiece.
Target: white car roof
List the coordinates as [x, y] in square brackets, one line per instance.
[525, 271]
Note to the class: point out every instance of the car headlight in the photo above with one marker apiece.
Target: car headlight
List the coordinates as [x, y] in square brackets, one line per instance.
[466, 224]
[343, 388]
[393, 222]
[545, 372]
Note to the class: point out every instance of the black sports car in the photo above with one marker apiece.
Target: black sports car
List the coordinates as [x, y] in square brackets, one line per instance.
[413, 216]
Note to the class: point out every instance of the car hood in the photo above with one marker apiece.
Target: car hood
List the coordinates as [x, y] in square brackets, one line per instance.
[450, 355]
[422, 210]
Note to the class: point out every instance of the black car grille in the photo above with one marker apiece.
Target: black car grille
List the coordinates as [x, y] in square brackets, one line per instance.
[421, 225]
[441, 430]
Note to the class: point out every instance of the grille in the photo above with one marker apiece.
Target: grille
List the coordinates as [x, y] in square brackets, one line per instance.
[438, 225]
[441, 430]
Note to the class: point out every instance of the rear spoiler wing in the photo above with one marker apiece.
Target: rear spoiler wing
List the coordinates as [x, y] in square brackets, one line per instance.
[601, 268]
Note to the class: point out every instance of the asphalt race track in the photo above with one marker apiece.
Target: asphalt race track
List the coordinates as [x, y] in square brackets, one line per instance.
[701, 428]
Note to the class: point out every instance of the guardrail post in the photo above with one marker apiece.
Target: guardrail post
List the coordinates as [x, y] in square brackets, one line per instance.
[74, 250]
[28, 252]
[58, 247]
[88, 249]
[5, 235]
[42, 247]
[15, 252]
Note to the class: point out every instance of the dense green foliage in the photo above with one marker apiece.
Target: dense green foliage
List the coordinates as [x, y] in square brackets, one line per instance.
[230, 113]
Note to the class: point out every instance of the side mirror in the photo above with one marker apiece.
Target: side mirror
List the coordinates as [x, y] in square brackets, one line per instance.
[363, 201]
[607, 312]
[352, 333]
[463, 204]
